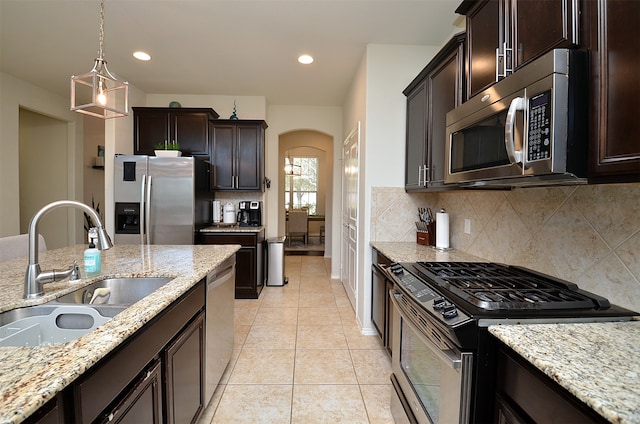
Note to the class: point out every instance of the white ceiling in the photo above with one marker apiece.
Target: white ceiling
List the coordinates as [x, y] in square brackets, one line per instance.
[223, 47]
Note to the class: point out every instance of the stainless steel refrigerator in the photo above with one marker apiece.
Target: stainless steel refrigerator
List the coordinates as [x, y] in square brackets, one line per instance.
[160, 200]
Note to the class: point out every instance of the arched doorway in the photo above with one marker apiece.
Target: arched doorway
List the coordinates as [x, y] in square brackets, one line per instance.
[307, 144]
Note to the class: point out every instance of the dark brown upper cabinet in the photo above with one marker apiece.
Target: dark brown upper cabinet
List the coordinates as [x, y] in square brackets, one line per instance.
[504, 35]
[237, 153]
[430, 96]
[612, 29]
[188, 127]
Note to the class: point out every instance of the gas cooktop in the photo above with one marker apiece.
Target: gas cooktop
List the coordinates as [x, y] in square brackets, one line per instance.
[492, 286]
[498, 291]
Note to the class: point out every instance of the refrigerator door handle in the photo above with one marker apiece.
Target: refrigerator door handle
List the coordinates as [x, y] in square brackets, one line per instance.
[142, 207]
[147, 211]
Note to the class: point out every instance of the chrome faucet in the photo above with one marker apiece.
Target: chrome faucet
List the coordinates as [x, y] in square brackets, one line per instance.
[35, 279]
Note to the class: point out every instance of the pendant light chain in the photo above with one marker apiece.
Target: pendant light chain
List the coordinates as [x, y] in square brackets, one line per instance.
[101, 34]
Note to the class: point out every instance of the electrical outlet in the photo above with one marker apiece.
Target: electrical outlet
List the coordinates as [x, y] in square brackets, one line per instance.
[467, 226]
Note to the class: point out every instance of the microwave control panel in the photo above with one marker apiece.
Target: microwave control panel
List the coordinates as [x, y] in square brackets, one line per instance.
[539, 134]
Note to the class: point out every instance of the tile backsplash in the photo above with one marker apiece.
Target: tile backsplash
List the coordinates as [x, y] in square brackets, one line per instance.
[589, 235]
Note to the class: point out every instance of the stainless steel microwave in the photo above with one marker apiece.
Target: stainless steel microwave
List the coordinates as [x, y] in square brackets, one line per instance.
[527, 129]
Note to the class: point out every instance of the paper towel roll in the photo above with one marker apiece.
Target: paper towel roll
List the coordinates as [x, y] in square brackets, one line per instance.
[442, 229]
[216, 211]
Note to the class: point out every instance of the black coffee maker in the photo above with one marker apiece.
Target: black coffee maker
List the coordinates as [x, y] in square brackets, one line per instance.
[250, 213]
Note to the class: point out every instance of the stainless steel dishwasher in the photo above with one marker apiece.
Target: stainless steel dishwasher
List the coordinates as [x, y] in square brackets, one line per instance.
[219, 323]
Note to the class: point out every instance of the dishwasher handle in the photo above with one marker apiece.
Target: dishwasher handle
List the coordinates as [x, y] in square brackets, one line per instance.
[220, 275]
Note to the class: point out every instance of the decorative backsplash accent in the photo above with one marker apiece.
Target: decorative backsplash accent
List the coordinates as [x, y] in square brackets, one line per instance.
[589, 235]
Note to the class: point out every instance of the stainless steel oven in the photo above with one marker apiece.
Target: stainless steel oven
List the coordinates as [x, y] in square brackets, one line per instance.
[433, 375]
[444, 361]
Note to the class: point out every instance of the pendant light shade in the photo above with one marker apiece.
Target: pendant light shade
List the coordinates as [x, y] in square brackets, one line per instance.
[98, 92]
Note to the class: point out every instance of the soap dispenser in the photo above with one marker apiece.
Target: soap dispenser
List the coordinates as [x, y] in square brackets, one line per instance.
[92, 259]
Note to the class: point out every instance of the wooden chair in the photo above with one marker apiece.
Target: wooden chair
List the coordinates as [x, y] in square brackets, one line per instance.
[298, 225]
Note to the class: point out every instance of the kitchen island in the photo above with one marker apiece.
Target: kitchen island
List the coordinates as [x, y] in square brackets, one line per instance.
[32, 376]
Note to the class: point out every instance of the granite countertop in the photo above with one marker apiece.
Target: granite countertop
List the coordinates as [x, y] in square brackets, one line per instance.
[31, 376]
[413, 252]
[220, 228]
[598, 363]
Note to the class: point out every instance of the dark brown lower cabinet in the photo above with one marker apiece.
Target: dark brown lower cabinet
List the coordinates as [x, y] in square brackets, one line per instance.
[381, 312]
[51, 413]
[184, 374]
[526, 395]
[143, 403]
[250, 259]
[127, 385]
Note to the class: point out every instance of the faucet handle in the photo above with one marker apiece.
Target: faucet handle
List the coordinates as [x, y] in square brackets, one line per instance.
[75, 272]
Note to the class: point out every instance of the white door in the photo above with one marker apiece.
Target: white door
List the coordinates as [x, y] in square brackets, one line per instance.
[350, 189]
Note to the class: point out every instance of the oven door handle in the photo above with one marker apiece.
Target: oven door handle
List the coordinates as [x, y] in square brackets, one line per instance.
[447, 356]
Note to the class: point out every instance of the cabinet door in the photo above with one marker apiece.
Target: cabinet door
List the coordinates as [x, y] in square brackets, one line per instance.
[246, 274]
[378, 287]
[191, 131]
[184, 374]
[445, 93]
[540, 26]
[484, 36]
[142, 405]
[416, 138]
[150, 127]
[249, 158]
[249, 260]
[223, 156]
[614, 43]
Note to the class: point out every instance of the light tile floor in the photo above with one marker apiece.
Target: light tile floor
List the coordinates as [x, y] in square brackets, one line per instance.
[299, 357]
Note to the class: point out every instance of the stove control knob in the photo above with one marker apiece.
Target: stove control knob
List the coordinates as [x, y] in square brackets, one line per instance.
[450, 311]
[439, 303]
[397, 269]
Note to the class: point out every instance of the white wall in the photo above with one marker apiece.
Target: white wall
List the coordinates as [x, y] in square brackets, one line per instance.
[247, 107]
[283, 119]
[16, 94]
[376, 99]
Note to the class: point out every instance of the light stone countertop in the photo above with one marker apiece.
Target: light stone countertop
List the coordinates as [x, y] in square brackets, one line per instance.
[31, 376]
[231, 229]
[414, 252]
[598, 363]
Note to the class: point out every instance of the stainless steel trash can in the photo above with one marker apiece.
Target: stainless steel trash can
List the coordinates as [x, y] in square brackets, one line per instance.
[275, 248]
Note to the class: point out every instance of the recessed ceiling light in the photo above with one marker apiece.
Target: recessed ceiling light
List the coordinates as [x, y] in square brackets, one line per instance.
[141, 56]
[305, 59]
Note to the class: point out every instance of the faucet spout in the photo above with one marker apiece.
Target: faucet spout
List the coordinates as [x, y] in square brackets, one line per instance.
[34, 277]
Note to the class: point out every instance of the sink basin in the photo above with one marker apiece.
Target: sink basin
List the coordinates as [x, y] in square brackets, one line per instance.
[114, 291]
[51, 324]
[74, 314]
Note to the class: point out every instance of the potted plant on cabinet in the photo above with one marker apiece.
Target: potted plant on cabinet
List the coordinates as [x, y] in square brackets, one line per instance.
[168, 149]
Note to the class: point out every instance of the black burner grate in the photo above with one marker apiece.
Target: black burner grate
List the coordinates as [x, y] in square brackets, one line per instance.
[492, 286]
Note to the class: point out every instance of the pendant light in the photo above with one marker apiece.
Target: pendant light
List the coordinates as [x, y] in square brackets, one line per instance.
[98, 92]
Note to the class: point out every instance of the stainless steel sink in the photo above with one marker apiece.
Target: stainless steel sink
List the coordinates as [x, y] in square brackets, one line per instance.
[114, 291]
[74, 314]
[51, 324]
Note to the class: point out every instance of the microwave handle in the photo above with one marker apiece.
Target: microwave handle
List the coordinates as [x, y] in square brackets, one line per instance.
[515, 156]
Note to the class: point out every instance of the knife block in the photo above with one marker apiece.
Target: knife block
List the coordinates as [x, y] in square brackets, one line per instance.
[427, 238]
